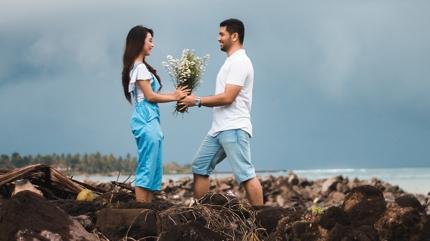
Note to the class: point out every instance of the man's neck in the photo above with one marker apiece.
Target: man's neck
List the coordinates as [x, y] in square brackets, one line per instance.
[233, 49]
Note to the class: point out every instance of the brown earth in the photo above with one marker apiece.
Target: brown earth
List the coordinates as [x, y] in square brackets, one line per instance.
[295, 209]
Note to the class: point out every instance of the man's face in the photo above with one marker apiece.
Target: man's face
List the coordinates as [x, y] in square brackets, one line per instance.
[224, 39]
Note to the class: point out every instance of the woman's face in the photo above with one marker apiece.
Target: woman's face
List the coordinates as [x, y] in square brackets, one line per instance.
[148, 45]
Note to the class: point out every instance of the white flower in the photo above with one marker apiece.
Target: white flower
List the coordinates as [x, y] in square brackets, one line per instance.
[186, 70]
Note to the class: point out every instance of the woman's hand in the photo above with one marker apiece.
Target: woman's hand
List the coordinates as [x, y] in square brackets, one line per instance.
[181, 92]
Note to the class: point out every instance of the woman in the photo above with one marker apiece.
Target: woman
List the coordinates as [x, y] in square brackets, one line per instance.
[141, 82]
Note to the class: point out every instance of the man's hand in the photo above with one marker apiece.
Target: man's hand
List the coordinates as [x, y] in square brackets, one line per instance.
[187, 102]
[226, 98]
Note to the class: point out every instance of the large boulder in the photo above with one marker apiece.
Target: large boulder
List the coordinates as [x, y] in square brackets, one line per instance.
[364, 205]
[28, 216]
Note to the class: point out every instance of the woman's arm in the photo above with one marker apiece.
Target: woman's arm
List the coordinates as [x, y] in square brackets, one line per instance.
[145, 86]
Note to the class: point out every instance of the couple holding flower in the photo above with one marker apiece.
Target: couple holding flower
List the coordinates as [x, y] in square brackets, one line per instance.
[231, 130]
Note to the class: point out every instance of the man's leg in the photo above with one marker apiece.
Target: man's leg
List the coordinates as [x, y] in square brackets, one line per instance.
[254, 191]
[201, 185]
[237, 146]
[209, 154]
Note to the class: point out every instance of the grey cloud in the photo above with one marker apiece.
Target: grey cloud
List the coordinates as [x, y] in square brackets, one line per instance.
[329, 75]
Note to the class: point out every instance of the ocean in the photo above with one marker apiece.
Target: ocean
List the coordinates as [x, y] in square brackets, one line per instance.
[413, 180]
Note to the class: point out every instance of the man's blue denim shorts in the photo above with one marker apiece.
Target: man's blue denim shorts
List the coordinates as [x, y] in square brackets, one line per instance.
[233, 145]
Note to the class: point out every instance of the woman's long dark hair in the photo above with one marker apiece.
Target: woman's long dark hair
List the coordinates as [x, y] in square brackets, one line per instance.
[133, 47]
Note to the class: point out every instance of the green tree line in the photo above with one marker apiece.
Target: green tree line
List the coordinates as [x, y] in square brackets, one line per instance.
[84, 163]
[73, 163]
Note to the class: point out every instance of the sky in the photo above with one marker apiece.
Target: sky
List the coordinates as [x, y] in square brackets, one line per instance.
[338, 84]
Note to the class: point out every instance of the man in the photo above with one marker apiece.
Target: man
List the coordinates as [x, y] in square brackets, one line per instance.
[229, 136]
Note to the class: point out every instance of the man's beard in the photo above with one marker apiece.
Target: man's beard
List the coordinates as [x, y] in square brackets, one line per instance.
[224, 47]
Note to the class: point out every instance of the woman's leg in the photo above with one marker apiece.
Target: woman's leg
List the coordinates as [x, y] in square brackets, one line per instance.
[143, 195]
[149, 165]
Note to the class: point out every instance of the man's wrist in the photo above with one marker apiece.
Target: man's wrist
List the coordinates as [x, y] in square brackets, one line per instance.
[198, 101]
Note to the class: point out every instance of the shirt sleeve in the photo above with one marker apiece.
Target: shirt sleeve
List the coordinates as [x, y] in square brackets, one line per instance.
[143, 73]
[237, 74]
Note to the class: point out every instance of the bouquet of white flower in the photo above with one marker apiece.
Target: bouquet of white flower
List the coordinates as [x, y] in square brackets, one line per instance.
[186, 71]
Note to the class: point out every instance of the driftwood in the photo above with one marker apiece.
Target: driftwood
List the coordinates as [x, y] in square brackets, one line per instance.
[50, 181]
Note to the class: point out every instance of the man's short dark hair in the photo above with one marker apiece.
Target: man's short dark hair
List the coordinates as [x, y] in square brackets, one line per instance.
[234, 26]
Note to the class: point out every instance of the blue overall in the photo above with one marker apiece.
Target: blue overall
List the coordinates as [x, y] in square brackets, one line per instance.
[145, 125]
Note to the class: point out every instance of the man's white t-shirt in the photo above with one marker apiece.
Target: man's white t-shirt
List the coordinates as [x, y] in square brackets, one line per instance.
[236, 70]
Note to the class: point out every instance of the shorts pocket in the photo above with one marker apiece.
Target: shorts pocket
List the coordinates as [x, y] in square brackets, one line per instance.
[228, 136]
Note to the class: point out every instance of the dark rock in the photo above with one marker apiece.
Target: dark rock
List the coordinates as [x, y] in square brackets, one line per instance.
[156, 205]
[335, 198]
[364, 205]
[219, 199]
[347, 233]
[86, 221]
[425, 234]
[369, 231]
[224, 187]
[114, 197]
[399, 223]
[306, 193]
[306, 183]
[408, 200]
[289, 197]
[333, 215]
[76, 208]
[136, 223]
[303, 230]
[285, 225]
[268, 217]
[191, 232]
[174, 216]
[293, 179]
[280, 233]
[169, 186]
[329, 185]
[392, 188]
[389, 197]
[342, 187]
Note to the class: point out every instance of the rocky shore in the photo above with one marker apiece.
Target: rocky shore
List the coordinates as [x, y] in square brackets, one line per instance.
[295, 209]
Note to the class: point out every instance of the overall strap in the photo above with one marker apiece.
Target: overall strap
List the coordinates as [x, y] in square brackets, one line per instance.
[132, 85]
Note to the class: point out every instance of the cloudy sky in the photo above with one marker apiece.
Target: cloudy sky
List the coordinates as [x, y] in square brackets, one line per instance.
[338, 84]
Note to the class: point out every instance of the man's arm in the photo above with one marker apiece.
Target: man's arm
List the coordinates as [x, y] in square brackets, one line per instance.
[226, 98]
